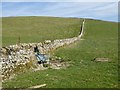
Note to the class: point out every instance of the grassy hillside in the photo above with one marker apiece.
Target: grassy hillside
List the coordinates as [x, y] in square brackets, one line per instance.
[36, 29]
[100, 40]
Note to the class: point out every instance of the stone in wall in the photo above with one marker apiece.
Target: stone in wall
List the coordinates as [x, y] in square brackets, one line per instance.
[20, 55]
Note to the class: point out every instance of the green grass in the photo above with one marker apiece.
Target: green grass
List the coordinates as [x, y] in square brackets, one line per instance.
[36, 29]
[100, 40]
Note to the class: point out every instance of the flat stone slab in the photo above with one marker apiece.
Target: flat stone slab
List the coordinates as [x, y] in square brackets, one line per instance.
[102, 59]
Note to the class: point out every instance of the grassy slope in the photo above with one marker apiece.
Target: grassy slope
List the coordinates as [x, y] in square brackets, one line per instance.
[100, 40]
[36, 29]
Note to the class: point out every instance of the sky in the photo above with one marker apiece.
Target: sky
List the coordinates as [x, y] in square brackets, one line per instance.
[107, 11]
[60, 0]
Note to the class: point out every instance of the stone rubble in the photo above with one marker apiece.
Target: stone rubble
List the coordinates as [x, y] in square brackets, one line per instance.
[15, 57]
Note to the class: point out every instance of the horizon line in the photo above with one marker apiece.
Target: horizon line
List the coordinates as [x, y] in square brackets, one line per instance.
[63, 17]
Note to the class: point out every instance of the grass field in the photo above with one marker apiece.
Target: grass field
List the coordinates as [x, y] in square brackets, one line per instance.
[100, 40]
[36, 29]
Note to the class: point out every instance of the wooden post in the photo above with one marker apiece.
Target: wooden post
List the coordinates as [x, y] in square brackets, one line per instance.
[19, 40]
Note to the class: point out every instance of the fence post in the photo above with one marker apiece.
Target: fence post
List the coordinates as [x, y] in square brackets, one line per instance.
[19, 40]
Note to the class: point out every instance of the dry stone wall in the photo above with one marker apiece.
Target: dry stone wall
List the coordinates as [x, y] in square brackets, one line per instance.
[21, 56]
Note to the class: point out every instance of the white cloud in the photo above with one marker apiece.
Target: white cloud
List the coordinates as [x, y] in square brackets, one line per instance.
[68, 9]
[93, 10]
